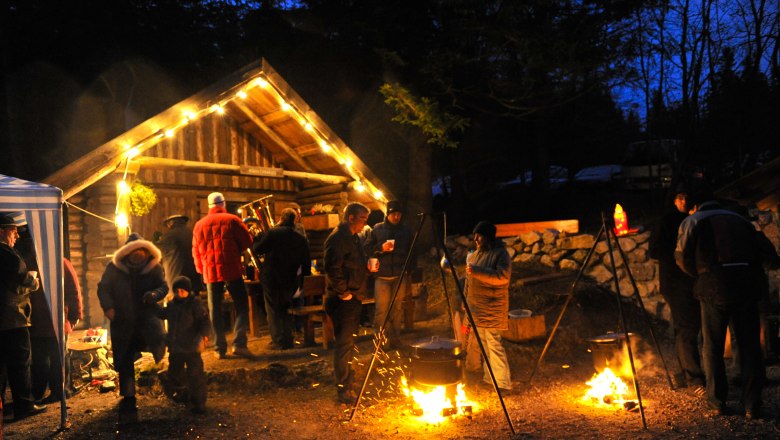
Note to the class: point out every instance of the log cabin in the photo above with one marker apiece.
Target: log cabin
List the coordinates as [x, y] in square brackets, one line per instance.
[249, 136]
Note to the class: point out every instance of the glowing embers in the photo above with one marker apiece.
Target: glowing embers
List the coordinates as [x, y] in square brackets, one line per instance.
[436, 404]
[607, 389]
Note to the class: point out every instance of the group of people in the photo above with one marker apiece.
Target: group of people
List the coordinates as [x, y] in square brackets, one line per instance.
[347, 251]
[30, 359]
[711, 273]
[141, 273]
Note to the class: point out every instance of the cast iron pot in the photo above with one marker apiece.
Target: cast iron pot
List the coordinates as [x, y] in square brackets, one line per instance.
[438, 361]
[610, 351]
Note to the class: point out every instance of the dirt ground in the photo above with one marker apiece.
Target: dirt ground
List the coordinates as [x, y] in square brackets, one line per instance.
[291, 394]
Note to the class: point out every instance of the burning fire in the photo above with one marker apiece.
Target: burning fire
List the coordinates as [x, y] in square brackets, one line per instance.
[434, 405]
[606, 388]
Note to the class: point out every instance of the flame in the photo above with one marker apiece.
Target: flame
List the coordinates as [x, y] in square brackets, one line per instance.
[621, 220]
[606, 388]
[435, 405]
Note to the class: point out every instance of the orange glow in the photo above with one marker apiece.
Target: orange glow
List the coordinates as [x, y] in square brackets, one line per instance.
[434, 403]
[621, 221]
[606, 389]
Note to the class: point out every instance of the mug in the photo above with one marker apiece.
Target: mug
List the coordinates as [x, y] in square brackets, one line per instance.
[373, 264]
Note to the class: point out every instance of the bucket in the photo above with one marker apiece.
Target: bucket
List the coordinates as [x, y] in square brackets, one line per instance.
[520, 313]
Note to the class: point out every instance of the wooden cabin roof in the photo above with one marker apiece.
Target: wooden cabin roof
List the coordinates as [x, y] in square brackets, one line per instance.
[259, 100]
[761, 186]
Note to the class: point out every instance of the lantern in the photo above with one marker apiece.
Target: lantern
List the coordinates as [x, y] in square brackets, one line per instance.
[621, 220]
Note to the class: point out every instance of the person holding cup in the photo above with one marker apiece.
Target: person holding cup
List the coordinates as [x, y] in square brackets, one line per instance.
[389, 243]
[346, 267]
[16, 284]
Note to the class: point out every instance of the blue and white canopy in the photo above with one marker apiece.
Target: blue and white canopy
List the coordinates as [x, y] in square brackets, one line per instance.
[40, 206]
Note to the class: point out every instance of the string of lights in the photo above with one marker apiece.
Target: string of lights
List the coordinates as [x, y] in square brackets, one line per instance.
[360, 183]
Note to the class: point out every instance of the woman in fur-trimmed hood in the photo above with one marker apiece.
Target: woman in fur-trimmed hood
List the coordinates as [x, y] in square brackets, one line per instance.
[129, 290]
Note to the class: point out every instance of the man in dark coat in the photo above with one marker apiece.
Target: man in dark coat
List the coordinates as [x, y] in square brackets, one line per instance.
[346, 267]
[176, 248]
[16, 284]
[129, 290]
[389, 242]
[188, 332]
[286, 263]
[677, 289]
[719, 248]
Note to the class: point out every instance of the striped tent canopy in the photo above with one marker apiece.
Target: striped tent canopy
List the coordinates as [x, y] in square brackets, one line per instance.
[40, 206]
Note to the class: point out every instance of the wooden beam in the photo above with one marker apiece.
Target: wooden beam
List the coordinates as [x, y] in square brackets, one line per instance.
[515, 229]
[272, 134]
[161, 163]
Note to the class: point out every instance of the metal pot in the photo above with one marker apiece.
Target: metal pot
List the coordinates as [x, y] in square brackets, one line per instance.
[610, 351]
[438, 361]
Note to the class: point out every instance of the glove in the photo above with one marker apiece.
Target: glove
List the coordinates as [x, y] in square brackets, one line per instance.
[149, 298]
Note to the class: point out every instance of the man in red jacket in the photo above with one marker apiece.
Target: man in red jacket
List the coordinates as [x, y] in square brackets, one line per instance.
[218, 240]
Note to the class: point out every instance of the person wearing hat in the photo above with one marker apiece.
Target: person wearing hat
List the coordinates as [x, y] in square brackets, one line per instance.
[676, 287]
[720, 250]
[129, 290]
[188, 333]
[176, 248]
[488, 270]
[218, 241]
[16, 284]
[389, 242]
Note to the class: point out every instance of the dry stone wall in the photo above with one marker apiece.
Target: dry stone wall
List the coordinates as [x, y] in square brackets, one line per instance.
[561, 252]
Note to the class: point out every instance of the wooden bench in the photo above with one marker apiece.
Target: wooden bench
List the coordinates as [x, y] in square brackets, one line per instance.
[313, 309]
[515, 229]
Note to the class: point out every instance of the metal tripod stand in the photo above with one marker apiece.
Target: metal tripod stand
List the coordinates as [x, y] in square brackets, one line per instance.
[609, 235]
[441, 249]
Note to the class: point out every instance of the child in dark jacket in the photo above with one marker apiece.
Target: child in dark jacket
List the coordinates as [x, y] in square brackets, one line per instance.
[188, 330]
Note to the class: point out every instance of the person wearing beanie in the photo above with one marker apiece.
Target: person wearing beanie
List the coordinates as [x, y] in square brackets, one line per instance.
[720, 250]
[131, 285]
[188, 332]
[676, 287]
[287, 261]
[488, 270]
[390, 242]
[218, 241]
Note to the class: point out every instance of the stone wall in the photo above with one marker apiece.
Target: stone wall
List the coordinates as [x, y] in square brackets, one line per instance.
[561, 252]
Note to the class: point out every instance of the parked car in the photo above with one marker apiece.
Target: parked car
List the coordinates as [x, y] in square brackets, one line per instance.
[557, 176]
[599, 174]
[650, 164]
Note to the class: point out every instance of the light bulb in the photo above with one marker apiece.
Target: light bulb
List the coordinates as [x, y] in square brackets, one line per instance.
[241, 94]
[359, 187]
[123, 187]
[286, 107]
[169, 133]
[218, 109]
[261, 82]
[121, 220]
[132, 152]
[378, 194]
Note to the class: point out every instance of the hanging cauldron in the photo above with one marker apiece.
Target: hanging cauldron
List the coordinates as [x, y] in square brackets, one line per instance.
[437, 361]
[610, 351]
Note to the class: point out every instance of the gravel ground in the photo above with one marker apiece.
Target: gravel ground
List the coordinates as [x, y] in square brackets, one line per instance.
[291, 394]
